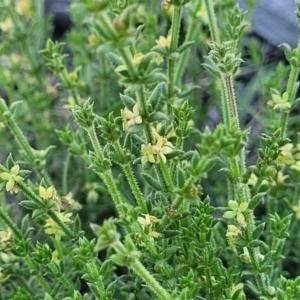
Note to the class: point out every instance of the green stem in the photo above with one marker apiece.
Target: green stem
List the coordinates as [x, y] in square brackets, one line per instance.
[227, 81]
[145, 114]
[291, 91]
[135, 188]
[9, 223]
[65, 174]
[190, 36]
[127, 59]
[139, 269]
[212, 21]
[166, 174]
[106, 176]
[173, 47]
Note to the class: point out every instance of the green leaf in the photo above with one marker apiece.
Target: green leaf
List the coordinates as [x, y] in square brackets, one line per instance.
[28, 204]
[256, 200]
[170, 233]
[210, 66]
[156, 95]
[258, 231]
[9, 162]
[38, 213]
[180, 177]
[256, 243]
[127, 101]
[94, 290]
[185, 46]
[158, 116]
[154, 78]
[152, 182]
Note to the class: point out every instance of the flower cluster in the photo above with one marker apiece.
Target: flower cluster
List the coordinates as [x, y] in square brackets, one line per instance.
[131, 118]
[151, 153]
[148, 221]
[12, 177]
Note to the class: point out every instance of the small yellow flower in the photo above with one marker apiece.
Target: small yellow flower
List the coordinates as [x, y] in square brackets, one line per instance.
[137, 59]
[237, 287]
[23, 7]
[233, 230]
[296, 166]
[5, 239]
[163, 42]
[202, 14]
[237, 211]
[131, 118]
[68, 202]
[281, 103]
[52, 228]
[147, 154]
[158, 59]
[286, 156]
[150, 152]
[12, 178]
[281, 178]
[48, 193]
[148, 221]
[296, 209]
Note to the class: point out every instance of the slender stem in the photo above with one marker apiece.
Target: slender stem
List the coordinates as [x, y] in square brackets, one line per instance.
[173, 47]
[139, 269]
[227, 81]
[145, 114]
[106, 176]
[9, 223]
[166, 174]
[182, 61]
[212, 21]
[135, 188]
[65, 174]
[291, 91]
[127, 59]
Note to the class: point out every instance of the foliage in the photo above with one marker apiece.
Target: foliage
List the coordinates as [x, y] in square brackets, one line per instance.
[118, 182]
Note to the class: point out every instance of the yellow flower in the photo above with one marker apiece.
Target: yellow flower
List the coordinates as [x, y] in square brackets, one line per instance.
[150, 152]
[286, 156]
[137, 59]
[148, 221]
[233, 230]
[237, 287]
[163, 42]
[48, 193]
[281, 103]
[23, 7]
[12, 178]
[245, 256]
[281, 178]
[131, 118]
[237, 211]
[296, 209]
[296, 166]
[202, 13]
[147, 154]
[5, 239]
[52, 228]
[67, 202]
[158, 59]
